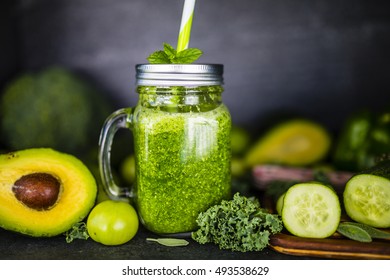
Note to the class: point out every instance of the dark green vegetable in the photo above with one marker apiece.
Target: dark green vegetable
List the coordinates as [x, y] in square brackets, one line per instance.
[352, 147]
[381, 169]
[380, 135]
[364, 138]
[54, 108]
[239, 225]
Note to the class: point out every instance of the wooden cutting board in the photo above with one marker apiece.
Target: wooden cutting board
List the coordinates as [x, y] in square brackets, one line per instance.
[337, 246]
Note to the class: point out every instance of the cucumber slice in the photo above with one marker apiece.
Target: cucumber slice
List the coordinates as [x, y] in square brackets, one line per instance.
[311, 210]
[279, 204]
[367, 200]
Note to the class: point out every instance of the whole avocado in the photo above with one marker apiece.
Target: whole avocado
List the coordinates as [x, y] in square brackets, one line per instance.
[53, 108]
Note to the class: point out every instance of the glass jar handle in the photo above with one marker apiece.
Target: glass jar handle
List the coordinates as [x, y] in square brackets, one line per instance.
[121, 118]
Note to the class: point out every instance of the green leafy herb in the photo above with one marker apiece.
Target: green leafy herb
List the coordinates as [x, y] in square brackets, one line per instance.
[171, 242]
[159, 57]
[354, 232]
[187, 55]
[239, 225]
[78, 231]
[170, 55]
[371, 231]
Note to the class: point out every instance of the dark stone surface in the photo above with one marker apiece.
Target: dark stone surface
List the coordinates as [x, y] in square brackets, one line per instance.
[15, 246]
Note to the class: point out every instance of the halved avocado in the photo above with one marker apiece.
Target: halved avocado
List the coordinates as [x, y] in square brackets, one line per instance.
[44, 192]
[295, 142]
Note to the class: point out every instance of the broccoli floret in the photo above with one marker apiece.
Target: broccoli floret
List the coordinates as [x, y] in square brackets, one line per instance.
[53, 108]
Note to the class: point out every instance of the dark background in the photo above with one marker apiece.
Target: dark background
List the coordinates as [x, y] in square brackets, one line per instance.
[318, 58]
[321, 59]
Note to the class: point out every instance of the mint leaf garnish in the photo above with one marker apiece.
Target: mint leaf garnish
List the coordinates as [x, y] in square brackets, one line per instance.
[170, 55]
[187, 55]
[169, 51]
[159, 57]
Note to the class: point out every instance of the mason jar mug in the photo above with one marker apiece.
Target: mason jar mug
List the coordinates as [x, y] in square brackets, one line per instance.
[181, 131]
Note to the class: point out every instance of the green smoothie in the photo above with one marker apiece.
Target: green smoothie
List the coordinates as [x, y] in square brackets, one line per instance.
[182, 147]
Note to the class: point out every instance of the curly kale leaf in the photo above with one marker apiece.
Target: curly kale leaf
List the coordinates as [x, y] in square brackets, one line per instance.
[239, 225]
[78, 231]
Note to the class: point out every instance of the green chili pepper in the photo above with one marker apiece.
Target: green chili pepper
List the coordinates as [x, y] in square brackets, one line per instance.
[365, 138]
[352, 147]
[380, 134]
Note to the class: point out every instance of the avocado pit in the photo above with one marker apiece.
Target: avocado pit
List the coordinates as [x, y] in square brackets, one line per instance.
[39, 191]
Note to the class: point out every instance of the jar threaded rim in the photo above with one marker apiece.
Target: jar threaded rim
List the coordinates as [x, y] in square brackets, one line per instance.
[179, 74]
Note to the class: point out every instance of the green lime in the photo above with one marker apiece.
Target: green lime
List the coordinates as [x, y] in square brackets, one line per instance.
[240, 140]
[311, 210]
[367, 200]
[127, 169]
[238, 167]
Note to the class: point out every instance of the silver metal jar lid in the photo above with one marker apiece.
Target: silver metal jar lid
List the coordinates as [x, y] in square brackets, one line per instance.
[179, 74]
